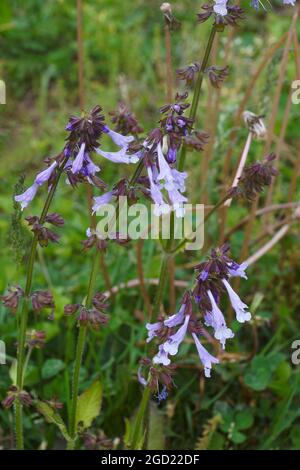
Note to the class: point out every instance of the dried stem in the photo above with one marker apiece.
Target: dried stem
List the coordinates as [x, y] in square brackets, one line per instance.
[268, 246]
[241, 166]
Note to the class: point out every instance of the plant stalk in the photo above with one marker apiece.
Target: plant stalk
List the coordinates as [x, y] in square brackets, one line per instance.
[23, 316]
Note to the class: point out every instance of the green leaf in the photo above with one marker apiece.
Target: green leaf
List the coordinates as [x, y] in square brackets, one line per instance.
[52, 367]
[156, 435]
[238, 437]
[217, 442]
[13, 372]
[244, 419]
[89, 405]
[260, 374]
[52, 417]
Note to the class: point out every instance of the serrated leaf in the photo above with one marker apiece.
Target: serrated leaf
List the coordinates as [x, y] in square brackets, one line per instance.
[53, 417]
[89, 405]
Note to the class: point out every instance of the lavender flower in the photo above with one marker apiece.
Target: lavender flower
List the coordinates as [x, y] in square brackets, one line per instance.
[186, 319]
[220, 7]
[122, 141]
[206, 358]
[172, 344]
[216, 320]
[102, 200]
[175, 319]
[237, 270]
[40, 179]
[172, 181]
[153, 328]
[161, 357]
[240, 308]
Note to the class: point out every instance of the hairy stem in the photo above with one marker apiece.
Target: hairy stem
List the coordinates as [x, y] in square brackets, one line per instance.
[197, 91]
[137, 438]
[23, 316]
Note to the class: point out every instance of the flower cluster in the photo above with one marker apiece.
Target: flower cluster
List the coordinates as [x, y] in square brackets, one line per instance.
[125, 121]
[159, 153]
[75, 159]
[217, 75]
[12, 298]
[44, 234]
[223, 12]
[100, 241]
[14, 394]
[256, 177]
[211, 282]
[39, 299]
[95, 316]
[157, 375]
[256, 3]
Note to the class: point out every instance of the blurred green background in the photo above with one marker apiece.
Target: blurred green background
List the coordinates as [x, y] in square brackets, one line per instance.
[248, 403]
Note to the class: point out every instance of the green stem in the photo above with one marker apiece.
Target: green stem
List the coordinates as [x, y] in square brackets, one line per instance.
[136, 438]
[83, 329]
[161, 286]
[23, 316]
[80, 347]
[197, 91]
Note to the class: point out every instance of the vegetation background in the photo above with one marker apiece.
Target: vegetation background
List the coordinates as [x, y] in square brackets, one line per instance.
[252, 400]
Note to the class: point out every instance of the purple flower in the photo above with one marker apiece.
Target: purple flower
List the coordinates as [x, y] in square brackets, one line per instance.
[216, 320]
[141, 379]
[119, 157]
[163, 395]
[175, 319]
[161, 207]
[206, 358]
[92, 169]
[78, 162]
[40, 179]
[122, 141]
[289, 2]
[172, 344]
[44, 176]
[255, 4]
[178, 201]
[153, 328]
[179, 178]
[118, 139]
[171, 155]
[173, 181]
[238, 270]
[102, 200]
[242, 315]
[220, 7]
[162, 356]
